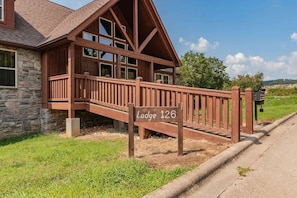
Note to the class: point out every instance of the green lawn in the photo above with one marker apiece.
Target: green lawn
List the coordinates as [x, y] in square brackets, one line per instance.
[276, 107]
[51, 166]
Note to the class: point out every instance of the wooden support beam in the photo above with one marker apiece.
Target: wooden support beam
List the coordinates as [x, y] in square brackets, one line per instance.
[147, 40]
[135, 24]
[118, 66]
[71, 88]
[131, 54]
[118, 22]
[44, 80]
[151, 72]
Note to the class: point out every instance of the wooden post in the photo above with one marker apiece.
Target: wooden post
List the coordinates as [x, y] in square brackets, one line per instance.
[131, 130]
[135, 24]
[137, 91]
[71, 87]
[180, 135]
[235, 131]
[118, 66]
[151, 77]
[249, 110]
[143, 133]
[44, 80]
[174, 75]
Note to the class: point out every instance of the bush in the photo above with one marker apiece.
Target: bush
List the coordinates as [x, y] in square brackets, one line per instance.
[282, 92]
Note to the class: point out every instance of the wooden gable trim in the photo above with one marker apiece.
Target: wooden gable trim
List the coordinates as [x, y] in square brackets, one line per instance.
[98, 46]
[118, 22]
[161, 29]
[148, 39]
[72, 35]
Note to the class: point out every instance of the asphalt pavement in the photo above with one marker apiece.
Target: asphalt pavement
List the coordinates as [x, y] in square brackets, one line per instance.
[270, 166]
[269, 158]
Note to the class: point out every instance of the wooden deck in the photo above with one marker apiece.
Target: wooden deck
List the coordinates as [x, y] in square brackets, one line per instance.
[208, 114]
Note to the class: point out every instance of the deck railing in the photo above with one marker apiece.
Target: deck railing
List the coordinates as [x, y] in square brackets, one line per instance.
[58, 88]
[225, 112]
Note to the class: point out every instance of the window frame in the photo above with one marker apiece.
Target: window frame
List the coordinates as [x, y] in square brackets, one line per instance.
[11, 69]
[162, 75]
[90, 34]
[123, 58]
[127, 72]
[93, 57]
[115, 35]
[111, 27]
[2, 11]
[100, 69]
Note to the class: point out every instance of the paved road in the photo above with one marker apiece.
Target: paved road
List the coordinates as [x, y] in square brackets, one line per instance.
[273, 162]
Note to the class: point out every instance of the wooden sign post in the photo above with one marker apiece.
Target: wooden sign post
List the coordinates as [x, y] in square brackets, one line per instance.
[155, 114]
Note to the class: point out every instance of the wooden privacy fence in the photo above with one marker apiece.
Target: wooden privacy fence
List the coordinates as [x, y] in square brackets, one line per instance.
[223, 112]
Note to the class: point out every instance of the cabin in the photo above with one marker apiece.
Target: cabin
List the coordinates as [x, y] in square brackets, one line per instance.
[66, 69]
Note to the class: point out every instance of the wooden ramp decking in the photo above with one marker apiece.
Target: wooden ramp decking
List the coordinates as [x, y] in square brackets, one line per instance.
[207, 114]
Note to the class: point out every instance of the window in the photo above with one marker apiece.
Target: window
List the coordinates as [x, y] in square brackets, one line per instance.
[1, 10]
[7, 68]
[132, 61]
[89, 36]
[121, 46]
[118, 33]
[105, 41]
[89, 52]
[105, 70]
[166, 79]
[105, 27]
[106, 56]
[131, 73]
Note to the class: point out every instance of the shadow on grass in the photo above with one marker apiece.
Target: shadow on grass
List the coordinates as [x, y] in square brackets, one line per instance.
[13, 140]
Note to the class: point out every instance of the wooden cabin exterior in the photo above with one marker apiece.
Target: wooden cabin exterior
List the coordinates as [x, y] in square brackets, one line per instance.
[99, 59]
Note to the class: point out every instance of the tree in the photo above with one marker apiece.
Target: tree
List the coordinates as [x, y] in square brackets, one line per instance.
[200, 71]
[245, 81]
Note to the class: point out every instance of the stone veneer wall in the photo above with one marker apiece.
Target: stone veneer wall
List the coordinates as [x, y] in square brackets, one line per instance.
[20, 107]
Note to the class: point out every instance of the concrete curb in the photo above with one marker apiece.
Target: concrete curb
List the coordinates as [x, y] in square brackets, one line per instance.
[191, 178]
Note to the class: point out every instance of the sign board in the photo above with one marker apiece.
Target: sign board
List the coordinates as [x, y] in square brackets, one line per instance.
[155, 114]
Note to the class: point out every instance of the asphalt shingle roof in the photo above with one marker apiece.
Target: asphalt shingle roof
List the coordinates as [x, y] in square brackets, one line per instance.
[41, 21]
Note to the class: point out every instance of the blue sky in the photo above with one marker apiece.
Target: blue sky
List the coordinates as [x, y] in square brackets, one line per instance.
[250, 36]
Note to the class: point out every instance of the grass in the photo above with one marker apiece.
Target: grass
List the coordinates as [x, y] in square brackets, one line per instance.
[51, 166]
[243, 171]
[276, 107]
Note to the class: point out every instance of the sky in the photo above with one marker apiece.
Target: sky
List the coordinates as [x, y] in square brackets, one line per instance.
[249, 36]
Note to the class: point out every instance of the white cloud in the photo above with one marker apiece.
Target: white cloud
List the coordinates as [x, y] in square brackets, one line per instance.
[202, 45]
[283, 67]
[294, 37]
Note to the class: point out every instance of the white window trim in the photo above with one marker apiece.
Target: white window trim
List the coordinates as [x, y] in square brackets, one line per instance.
[110, 67]
[2, 9]
[162, 77]
[127, 69]
[87, 33]
[93, 57]
[114, 29]
[101, 58]
[136, 64]
[111, 26]
[125, 48]
[14, 69]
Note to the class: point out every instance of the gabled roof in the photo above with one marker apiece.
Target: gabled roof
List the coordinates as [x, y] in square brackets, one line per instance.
[41, 22]
[35, 20]
[74, 19]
